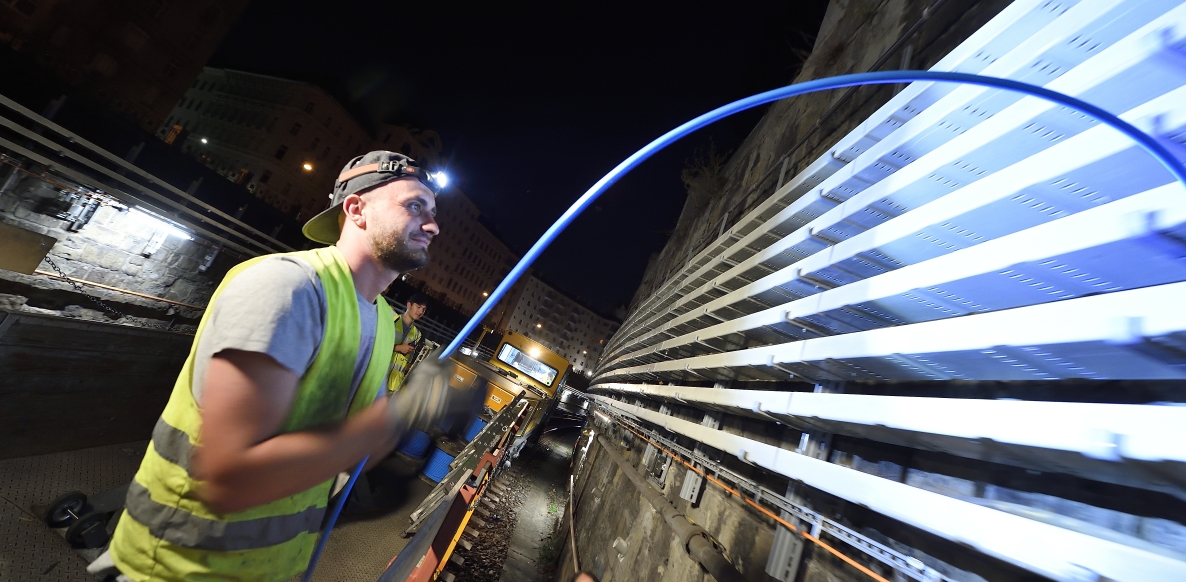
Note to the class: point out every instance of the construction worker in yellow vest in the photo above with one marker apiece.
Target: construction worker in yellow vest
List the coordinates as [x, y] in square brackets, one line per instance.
[407, 335]
[282, 391]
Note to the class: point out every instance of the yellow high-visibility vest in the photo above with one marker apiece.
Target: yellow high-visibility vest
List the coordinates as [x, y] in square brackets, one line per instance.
[167, 533]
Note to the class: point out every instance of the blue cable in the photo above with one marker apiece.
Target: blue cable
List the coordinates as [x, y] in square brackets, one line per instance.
[1142, 139]
[333, 518]
[878, 78]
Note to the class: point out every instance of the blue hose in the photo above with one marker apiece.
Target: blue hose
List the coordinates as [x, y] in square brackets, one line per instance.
[333, 518]
[1142, 139]
[879, 78]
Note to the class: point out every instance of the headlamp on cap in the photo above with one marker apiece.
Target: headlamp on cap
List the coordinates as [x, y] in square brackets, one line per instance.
[406, 167]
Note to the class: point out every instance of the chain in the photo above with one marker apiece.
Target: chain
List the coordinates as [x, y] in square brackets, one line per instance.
[109, 309]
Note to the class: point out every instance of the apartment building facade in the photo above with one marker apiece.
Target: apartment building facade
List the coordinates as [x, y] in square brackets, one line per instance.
[560, 323]
[467, 260]
[284, 140]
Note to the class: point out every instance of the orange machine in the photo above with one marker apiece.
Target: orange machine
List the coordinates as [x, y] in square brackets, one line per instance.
[519, 366]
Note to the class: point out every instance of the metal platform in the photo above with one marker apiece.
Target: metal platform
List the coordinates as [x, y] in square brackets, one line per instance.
[359, 548]
[28, 549]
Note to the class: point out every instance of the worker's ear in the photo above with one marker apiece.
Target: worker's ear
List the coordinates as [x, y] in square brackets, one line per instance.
[352, 208]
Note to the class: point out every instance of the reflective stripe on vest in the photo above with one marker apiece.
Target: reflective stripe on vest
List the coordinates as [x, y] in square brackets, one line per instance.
[171, 444]
[182, 528]
[167, 533]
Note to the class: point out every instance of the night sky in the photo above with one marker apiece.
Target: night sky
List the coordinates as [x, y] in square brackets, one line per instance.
[536, 101]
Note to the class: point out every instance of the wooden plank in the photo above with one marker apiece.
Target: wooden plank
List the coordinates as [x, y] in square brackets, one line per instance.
[22, 250]
[71, 384]
[27, 334]
[6, 321]
[21, 362]
[39, 329]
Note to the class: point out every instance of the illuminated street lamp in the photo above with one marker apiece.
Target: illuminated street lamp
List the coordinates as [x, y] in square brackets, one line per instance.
[204, 140]
[485, 294]
[539, 326]
[307, 167]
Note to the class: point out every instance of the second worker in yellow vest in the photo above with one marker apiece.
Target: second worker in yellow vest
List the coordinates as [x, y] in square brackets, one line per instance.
[407, 335]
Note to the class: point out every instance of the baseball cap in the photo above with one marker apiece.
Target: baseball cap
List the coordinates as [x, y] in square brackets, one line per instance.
[363, 173]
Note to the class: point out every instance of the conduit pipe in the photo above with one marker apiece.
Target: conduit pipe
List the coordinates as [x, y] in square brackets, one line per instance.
[694, 538]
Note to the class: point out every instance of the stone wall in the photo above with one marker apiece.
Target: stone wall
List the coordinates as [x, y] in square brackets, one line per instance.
[609, 507]
[856, 36]
[112, 249]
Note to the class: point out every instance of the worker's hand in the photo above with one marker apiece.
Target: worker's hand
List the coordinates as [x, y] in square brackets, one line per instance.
[405, 349]
[422, 398]
[426, 397]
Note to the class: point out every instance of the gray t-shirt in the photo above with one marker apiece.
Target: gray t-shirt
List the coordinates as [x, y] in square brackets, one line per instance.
[276, 307]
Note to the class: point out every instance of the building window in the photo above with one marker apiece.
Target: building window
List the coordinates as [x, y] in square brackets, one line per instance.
[280, 152]
[316, 141]
[296, 128]
[267, 176]
[309, 107]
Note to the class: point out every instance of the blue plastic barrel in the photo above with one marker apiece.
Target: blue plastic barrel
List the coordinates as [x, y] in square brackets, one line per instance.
[438, 465]
[474, 428]
[415, 444]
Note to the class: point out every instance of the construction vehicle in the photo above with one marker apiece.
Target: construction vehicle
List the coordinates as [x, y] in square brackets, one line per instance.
[518, 366]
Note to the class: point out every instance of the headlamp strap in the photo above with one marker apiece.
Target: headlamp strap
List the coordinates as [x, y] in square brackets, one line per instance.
[384, 166]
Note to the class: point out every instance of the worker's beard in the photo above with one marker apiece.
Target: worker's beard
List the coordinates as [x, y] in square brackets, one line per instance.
[397, 255]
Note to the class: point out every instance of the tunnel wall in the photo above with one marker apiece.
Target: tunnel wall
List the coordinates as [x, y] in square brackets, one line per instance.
[856, 36]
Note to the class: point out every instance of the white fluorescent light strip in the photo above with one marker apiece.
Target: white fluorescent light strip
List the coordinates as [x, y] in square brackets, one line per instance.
[1145, 43]
[1138, 215]
[1046, 549]
[1016, 23]
[1102, 431]
[1122, 317]
[1059, 159]
[152, 223]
